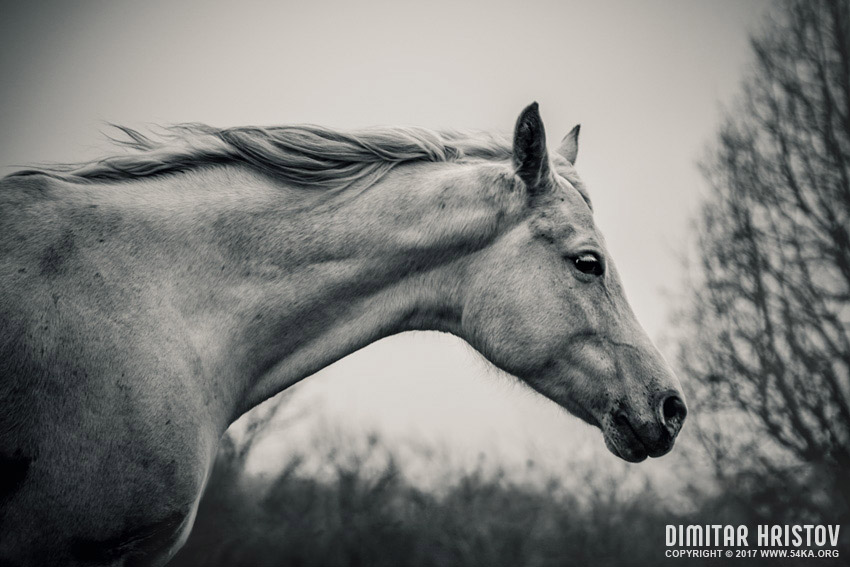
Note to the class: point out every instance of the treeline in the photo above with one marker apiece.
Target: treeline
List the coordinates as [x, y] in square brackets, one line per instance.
[357, 513]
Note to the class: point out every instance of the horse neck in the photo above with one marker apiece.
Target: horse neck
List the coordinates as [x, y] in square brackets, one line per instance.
[314, 276]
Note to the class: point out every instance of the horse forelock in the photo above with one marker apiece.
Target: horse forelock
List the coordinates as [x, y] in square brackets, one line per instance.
[304, 155]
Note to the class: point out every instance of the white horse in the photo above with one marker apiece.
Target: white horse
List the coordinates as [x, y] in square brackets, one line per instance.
[151, 298]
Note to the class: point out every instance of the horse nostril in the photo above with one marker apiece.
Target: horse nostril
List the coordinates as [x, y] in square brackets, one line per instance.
[673, 412]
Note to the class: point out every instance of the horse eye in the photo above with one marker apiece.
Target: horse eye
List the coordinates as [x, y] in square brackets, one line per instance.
[589, 263]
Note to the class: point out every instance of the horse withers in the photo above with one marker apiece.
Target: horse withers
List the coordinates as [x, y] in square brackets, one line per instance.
[152, 297]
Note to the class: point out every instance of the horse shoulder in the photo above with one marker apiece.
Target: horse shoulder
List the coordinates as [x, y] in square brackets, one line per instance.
[105, 450]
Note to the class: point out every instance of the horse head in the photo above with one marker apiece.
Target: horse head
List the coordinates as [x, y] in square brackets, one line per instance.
[547, 306]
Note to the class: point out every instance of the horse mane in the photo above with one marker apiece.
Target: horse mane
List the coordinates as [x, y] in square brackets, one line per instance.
[303, 155]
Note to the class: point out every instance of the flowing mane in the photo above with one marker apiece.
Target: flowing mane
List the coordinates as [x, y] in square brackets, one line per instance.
[304, 155]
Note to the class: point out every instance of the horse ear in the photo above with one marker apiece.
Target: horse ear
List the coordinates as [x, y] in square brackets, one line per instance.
[569, 145]
[530, 159]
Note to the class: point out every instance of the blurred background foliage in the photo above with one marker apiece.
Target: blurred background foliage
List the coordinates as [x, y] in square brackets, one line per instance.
[762, 335]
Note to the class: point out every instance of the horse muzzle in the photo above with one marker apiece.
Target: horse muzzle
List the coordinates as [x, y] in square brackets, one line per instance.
[634, 436]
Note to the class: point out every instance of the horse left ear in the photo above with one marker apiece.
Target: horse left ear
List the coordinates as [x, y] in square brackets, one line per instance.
[529, 155]
[569, 145]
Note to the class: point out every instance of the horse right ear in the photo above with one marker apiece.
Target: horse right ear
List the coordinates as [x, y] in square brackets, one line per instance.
[569, 145]
[529, 153]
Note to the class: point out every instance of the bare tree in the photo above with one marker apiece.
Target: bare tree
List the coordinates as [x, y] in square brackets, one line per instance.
[768, 326]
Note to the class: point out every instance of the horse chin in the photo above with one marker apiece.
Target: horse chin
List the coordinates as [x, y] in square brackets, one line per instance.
[619, 436]
[624, 443]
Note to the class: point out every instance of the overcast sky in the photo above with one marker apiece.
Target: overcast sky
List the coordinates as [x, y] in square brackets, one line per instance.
[646, 79]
